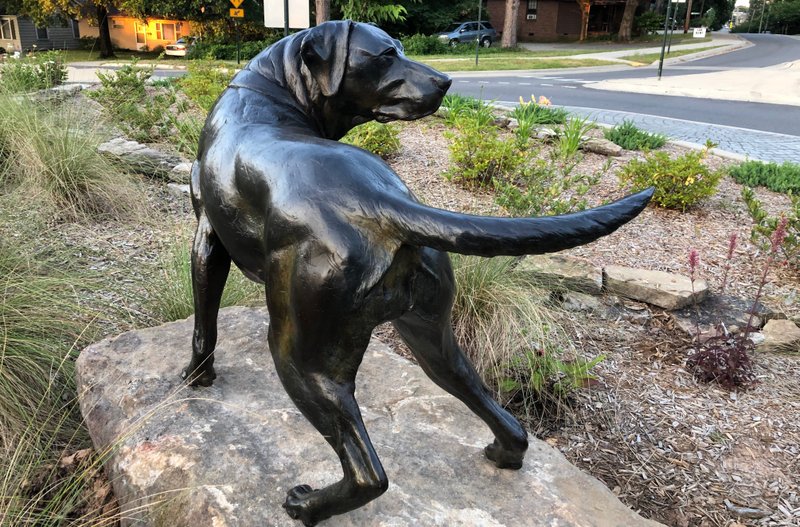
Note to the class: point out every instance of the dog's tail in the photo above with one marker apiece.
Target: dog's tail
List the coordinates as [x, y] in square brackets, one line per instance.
[493, 236]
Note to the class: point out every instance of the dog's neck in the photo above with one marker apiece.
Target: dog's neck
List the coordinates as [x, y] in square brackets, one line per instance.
[277, 74]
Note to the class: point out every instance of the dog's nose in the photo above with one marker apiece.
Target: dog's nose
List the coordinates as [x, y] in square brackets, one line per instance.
[443, 82]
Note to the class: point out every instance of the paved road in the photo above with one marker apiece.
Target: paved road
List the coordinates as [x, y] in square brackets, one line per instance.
[769, 132]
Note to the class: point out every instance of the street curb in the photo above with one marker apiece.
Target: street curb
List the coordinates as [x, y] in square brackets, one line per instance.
[733, 156]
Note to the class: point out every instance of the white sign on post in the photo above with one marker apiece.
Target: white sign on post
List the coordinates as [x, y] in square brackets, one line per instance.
[299, 13]
[699, 32]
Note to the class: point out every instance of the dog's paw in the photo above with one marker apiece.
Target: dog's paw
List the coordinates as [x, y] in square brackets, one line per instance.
[502, 458]
[202, 376]
[297, 505]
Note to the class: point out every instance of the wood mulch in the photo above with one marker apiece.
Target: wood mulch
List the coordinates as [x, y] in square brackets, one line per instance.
[676, 450]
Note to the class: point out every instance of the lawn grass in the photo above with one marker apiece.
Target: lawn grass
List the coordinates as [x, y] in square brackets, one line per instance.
[85, 55]
[649, 58]
[493, 63]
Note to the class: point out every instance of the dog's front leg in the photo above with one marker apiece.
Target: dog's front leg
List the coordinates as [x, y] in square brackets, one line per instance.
[210, 266]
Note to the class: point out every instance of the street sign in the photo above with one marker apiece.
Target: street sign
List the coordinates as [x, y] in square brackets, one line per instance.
[237, 3]
[237, 13]
[699, 32]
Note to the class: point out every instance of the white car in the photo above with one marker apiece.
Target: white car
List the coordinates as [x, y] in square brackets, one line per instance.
[180, 48]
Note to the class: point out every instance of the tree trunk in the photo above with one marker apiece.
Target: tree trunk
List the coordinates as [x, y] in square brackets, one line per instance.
[510, 24]
[688, 16]
[323, 9]
[104, 38]
[586, 6]
[626, 25]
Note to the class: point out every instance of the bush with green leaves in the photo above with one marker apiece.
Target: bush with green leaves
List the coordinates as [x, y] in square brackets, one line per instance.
[143, 116]
[35, 71]
[630, 137]
[680, 183]
[226, 51]
[381, 139]
[424, 45]
[456, 107]
[764, 226]
[648, 22]
[536, 113]
[571, 135]
[205, 81]
[480, 156]
[779, 178]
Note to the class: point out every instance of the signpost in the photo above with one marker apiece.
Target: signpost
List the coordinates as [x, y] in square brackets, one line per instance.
[666, 32]
[287, 13]
[237, 13]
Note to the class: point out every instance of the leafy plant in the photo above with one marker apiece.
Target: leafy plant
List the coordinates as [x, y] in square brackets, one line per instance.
[424, 45]
[205, 81]
[779, 178]
[764, 226]
[533, 113]
[480, 156]
[680, 183]
[380, 139]
[571, 136]
[648, 22]
[459, 107]
[35, 71]
[187, 132]
[630, 137]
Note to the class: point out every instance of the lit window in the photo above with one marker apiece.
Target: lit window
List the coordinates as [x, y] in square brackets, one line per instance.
[7, 29]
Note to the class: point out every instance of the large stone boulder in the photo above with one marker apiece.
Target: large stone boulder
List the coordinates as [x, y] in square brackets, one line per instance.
[780, 335]
[666, 290]
[226, 455]
[563, 272]
[145, 160]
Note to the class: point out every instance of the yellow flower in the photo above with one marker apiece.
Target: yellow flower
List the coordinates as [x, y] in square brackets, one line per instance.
[544, 101]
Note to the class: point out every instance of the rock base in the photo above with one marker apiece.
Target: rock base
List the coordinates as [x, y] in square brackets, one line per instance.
[226, 455]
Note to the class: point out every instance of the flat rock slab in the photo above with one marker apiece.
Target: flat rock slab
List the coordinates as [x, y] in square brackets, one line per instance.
[148, 161]
[780, 335]
[562, 272]
[226, 455]
[734, 313]
[666, 290]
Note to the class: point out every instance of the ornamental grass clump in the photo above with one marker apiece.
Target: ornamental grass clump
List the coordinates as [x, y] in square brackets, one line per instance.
[680, 183]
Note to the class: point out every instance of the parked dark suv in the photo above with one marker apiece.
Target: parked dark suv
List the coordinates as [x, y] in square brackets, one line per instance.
[468, 32]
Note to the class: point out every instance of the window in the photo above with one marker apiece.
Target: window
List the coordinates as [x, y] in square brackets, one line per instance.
[76, 31]
[41, 33]
[7, 29]
[168, 31]
[532, 5]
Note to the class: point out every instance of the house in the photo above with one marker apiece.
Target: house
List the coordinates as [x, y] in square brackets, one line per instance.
[141, 35]
[558, 19]
[19, 33]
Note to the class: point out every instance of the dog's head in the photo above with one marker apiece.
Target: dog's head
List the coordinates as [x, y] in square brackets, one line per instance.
[361, 73]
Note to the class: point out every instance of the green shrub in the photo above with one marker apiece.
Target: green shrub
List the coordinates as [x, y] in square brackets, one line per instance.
[571, 135]
[456, 107]
[187, 133]
[380, 139]
[680, 182]
[480, 156]
[205, 81]
[224, 51]
[764, 226]
[143, 116]
[778, 178]
[31, 72]
[545, 189]
[169, 297]
[424, 45]
[533, 113]
[629, 137]
[49, 159]
[648, 22]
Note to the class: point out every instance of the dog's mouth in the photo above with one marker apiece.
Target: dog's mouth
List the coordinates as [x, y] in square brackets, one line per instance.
[387, 114]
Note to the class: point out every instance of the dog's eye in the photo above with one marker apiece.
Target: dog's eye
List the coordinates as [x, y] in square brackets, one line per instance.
[389, 52]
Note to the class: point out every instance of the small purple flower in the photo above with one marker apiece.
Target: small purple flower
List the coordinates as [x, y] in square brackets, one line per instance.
[780, 234]
[694, 261]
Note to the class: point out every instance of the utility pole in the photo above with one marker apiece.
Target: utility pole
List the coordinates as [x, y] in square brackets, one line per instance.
[664, 43]
[478, 43]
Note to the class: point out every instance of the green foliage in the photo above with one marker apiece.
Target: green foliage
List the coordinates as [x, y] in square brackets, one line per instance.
[533, 113]
[680, 183]
[545, 189]
[778, 178]
[432, 15]
[205, 81]
[424, 45]
[499, 317]
[168, 296]
[49, 159]
[764, 226]
[187, 133]
[376, 11]
[380, 139]
[648, 22]
[571, 136]
[480, 156]
[34, 71]
[227, 51]
[629, 137]
[143, 116]
[456, 107]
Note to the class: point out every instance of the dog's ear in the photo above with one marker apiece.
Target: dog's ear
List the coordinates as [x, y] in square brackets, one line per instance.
[324, 52]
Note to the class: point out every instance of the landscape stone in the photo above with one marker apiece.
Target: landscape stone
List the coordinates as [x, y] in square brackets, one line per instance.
[544, 133]
[598, 145]
[666, 290]
[780, 335]
[227, 454]
[732, 312]
[563, 272]
[144, 160]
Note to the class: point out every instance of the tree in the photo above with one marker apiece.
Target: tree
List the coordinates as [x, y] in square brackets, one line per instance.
[509, 39]
[432, 15]
[323, 10]
[376, 11]
[585, 6]
[626, 25]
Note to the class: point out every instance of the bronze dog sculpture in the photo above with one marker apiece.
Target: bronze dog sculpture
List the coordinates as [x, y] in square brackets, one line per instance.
[341, 243]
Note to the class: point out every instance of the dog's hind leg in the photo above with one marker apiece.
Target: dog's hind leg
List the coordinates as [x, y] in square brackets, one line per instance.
[427, 329]
[210, 266]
